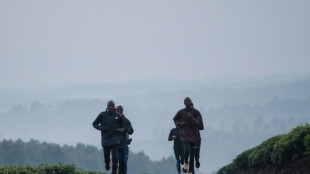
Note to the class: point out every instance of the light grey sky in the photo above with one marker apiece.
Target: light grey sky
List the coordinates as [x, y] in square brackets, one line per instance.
[59, 42]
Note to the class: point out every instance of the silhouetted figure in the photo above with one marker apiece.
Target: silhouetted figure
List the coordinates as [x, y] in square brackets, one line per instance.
[177, 147]
[189, 121]
[124, 141]
[110, 123]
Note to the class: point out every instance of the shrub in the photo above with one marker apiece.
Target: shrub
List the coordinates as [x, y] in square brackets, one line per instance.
[242, 160]
[228, 169]
[290, 147]
[45, 169]
[307, 144]
[261, 155]
[277, 150]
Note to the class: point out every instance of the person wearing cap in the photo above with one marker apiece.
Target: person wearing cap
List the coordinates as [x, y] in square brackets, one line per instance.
[189, 120]
[110, 123]
[177, 147]
[124, 141]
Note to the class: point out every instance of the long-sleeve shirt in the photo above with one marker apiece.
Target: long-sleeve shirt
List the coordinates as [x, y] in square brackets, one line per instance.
[189, 120]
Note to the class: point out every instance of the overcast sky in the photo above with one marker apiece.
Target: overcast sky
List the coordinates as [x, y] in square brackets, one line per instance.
[61, 42]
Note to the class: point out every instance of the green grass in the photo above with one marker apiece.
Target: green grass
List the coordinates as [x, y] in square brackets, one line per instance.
[278, 150]
[45, 169]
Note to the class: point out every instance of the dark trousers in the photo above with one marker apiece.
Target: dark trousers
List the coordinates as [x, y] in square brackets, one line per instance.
[107, 151]
[197, 150]
[126, 158]
[179, 157]
[122, 158]
[188, 149]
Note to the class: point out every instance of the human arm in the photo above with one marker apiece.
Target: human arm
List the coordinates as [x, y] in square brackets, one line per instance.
[199, 121]
[129, 128]
[170, 135]
[177, 119]
[97, 124]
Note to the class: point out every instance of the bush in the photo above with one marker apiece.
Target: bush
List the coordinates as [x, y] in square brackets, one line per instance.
[290, 147]
[242, 160]
[261, 155]
[228, 169]
[307, 144]
[277, 150]
[45, 169]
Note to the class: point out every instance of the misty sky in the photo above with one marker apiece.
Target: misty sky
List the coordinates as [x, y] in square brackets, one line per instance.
[61, 42]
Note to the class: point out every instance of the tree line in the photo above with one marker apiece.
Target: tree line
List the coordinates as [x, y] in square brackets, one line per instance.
[86, 157]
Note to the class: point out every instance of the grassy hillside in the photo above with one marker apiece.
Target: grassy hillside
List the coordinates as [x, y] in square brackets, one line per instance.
[45, 169]
[280, 150]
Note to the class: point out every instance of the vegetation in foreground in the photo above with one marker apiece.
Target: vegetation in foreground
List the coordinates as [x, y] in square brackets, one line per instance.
[45, 169]
[279, 150]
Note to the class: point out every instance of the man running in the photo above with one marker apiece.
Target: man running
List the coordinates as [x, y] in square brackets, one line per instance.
[110, 123]
[189, 121]
[124, 140]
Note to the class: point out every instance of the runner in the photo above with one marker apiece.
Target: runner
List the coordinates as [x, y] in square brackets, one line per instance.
[124, 141]
[189, 121]
[177, 147]
[110, 123]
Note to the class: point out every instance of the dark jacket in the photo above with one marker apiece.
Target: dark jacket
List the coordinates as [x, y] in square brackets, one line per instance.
[109, 123]
[177, 143]
[189, 121]
[123, 135]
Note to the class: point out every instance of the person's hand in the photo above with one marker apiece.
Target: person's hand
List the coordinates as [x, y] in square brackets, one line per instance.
[174, 137]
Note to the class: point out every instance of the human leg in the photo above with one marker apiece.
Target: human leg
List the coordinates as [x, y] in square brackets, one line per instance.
[177, 159]
[191, 158]
[197, 152]
[114, 149]
[126, 158]
[106, 152]
[121, 160]
[186, 152]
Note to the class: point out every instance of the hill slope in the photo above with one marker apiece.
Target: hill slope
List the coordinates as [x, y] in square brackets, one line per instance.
[280, 154]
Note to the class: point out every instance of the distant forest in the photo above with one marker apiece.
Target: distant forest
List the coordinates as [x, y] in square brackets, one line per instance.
[85, 157]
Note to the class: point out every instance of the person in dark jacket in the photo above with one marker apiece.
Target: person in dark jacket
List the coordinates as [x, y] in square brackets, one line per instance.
[189, 121]
[177, 147]
[110, 123]
[124, 141]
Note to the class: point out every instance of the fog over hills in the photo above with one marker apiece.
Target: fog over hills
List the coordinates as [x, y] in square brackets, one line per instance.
[238, 112]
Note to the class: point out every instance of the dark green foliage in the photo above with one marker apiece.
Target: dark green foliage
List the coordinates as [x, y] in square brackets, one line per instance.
[45, 169]
[290, 147]
[307, 143]
[228, 169]
[35, 153]
[86, 157]
[242, 160]
[277, 150]
[260, 155]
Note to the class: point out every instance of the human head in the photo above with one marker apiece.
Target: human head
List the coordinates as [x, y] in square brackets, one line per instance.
[119, 109]
[188, 102]
[110, 105]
